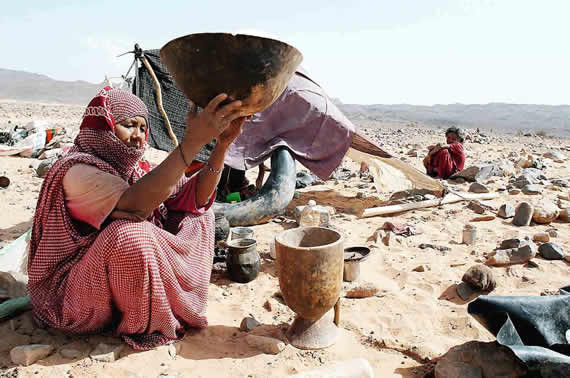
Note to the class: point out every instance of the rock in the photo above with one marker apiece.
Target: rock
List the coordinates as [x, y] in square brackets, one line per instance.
[506, 211]
[532, 190]
[386, 238]
[419, 268]
[530, 176]
[523, 214]
[561, 183]
[107, 352]
[303, 180]
[564, 215]
[542, 237]
[248, 323]
[553, 233]
[433, 246]
[13, 285]
[478, 188]
[70, 353]
[476, 207]
[514, 192]
[364, 290]
[44, 166]
[222, 228]
[480, 277]
[413, 153]
[29, 354]
[545, 212]
[465, 291]
[483, 218]
[551, 251]
[511, 256]
[475, 357]
[267, 305]
[321, 213]
[479, 172]
[556, 156]
[267, 345]
[356, 368]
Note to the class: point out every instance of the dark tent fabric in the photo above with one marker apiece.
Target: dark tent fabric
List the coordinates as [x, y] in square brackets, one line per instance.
[536, 329]
[174, 102]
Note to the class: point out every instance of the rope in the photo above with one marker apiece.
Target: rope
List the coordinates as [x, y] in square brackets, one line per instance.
[159, 101]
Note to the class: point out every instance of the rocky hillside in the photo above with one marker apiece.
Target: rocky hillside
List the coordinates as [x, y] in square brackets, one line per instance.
[31, 87]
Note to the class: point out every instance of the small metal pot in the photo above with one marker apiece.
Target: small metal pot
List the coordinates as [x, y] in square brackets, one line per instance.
[241, 233]
[352, 258]
[243, 261]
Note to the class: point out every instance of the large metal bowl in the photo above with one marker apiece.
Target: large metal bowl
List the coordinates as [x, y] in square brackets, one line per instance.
[252, 69]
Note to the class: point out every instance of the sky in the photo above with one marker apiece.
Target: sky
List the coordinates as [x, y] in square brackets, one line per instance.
[420, 52]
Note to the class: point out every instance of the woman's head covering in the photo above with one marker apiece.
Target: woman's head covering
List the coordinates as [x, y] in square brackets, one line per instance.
[97, 131]
[112, 106]
[456, 131]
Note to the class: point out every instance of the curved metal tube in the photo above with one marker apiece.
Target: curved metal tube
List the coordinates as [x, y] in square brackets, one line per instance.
[272, 199]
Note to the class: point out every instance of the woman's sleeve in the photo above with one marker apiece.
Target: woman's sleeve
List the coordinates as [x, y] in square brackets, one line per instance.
[184, 197]
[91, 194]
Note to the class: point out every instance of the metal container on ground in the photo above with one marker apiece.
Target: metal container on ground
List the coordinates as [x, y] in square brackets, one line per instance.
[243, 261]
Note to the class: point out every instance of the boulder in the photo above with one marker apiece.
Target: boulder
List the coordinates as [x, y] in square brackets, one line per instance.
[506, 211]
[480, 277]
[542, 237]
[551, 251]
[556, 156]
[523, 214]
[504, 257]
[564, 215]
[532, 190]
[478, 188]
[475, 357]
[545, 211]
[479, 173]
[29, 354]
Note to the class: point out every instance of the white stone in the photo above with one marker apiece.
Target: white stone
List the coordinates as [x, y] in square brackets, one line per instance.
[28, 354]
[267, 345]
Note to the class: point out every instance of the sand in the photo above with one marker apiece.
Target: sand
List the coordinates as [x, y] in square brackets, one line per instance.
[415, 318]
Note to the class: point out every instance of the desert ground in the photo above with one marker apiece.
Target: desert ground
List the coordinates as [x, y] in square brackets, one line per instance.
[415, 317]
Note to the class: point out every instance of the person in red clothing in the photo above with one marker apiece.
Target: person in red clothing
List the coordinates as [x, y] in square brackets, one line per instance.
[443, 160]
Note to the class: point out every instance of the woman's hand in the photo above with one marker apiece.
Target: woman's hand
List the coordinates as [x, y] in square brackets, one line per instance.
[212, 121]
[226, 138]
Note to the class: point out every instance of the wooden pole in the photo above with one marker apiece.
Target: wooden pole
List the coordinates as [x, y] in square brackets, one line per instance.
[450, 198]
[159, 101]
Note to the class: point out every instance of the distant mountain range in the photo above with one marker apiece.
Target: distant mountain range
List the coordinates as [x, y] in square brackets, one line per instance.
[510, 118]
[26, 86]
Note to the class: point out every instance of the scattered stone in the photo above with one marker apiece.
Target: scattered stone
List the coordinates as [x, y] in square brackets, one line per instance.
[364, 290]
[413, 153]
[44, 166]
[107, 352]
[478, 188]
[561, 183]
[523, 214]
[565, 215]
[432, 246]
[479, 173]
[542, 237]
[267, 306]
[303, 180]
[514, 192]
[483, 219]
[511, 256]
[506, 211]
[545, 212]
[465, 291]
[476, 207]
[551, 251]
[267, 345]
[419, 269]
[387, 236]
[480, 277]
[532, 264]
[553, 233]
[13, 285]
[532, 190]
[556, 156]
[248, 323]
[549, 292]
[512, 243]
[70, 353]
[479, 359]
[28, 354]
[530, 176]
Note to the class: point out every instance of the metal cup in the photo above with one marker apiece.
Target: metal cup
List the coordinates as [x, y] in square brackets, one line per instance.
[241, 233]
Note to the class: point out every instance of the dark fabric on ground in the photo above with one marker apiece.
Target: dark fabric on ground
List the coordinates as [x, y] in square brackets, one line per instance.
[536, 329]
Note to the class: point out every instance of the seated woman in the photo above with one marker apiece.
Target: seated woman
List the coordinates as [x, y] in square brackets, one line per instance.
[118, 247]
[444, 160]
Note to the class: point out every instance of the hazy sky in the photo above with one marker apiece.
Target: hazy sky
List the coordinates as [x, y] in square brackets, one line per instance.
[374, 51]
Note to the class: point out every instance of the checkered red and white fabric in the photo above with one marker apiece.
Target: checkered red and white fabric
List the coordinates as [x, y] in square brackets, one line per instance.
[148, 283]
